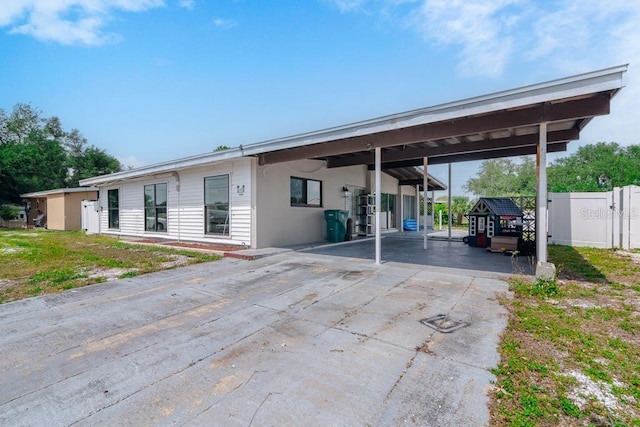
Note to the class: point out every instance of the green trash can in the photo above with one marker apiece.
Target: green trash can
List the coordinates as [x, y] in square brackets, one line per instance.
[336, 225]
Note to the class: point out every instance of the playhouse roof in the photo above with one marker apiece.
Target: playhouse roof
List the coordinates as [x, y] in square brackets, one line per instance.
[502, 206]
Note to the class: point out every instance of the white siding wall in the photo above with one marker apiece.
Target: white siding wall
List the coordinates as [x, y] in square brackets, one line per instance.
[279, 223]
[186, 204]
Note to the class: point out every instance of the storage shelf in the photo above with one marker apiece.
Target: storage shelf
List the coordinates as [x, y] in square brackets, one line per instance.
[366, 215]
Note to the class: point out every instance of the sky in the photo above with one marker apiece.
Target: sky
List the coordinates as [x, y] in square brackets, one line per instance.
[156, 80]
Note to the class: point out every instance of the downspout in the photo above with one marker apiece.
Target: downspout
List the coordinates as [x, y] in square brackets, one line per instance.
[177, 176]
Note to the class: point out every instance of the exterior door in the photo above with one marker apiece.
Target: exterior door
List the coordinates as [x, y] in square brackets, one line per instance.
[482, 232]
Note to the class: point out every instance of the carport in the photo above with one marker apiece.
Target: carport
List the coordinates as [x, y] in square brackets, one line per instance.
[536, 119]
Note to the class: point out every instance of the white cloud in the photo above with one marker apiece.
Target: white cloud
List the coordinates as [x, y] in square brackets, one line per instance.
[478, 28]
[346, 5]
[224, 23]
[186, 4]
[68, 22]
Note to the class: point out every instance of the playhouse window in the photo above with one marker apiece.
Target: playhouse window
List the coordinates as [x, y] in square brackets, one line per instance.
[507, 223]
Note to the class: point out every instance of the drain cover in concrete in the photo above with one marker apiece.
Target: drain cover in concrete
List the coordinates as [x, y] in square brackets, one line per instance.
[442, 323]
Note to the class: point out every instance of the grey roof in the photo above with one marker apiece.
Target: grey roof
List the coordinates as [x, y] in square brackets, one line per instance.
[502, 206]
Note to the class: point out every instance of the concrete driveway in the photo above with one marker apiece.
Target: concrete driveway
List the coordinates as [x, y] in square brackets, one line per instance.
[292, 339]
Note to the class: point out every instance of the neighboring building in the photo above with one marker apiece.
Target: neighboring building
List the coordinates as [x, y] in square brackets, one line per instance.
[58, 209]
[495, 218]
[224, 197]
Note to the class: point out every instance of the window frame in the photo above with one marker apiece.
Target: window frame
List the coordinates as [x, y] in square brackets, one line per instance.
[226, 233]
[111, 209]
[155, 208]
[305, 192]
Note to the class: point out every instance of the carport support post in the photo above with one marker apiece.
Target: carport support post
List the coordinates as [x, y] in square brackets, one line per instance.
[378, 174]
[425, 184]
[544, 269]
[449, 221]
[433, 210]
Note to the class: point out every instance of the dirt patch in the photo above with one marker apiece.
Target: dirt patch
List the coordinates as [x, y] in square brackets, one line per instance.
[587, 388]
[109, 274]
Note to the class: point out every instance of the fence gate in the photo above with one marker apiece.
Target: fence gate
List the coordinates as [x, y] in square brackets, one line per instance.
[581, 219]
[630, 217]
[91, 217]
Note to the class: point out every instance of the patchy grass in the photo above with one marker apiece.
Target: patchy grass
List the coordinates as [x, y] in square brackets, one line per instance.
[571, 353]
[37, 262]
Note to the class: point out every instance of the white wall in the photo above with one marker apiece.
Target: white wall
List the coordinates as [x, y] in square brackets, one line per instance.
[279, 223]
[581, 219]
[601, 220]
[185, 210]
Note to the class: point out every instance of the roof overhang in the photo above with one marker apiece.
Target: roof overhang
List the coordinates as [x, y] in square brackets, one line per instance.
[502, 124]
[46, 193]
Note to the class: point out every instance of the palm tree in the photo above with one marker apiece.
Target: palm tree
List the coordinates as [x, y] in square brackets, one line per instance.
[460, 205]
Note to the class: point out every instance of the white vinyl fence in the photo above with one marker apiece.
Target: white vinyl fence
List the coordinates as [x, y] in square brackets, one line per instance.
[601, 220]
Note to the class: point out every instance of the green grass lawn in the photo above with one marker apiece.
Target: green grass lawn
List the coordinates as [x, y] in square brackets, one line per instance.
[571, 352]
[37, 262]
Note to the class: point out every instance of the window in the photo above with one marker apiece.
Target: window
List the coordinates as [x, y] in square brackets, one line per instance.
[306, 192]
[155, 207]
[216, 205]
[113, 206]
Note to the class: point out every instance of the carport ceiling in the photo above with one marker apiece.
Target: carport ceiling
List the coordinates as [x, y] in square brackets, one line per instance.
[504, 124]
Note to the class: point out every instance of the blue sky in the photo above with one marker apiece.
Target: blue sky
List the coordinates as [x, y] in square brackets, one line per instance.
[156, 80]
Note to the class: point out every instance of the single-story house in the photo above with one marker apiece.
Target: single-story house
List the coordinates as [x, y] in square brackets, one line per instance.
[495, 218]
[58, 209]
[274, 192]
[227, 198]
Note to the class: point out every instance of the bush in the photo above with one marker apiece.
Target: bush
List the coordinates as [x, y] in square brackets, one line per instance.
[9, 212]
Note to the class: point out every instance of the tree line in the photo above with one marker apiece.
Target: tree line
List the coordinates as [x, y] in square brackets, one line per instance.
[592, 168]
[37, 154]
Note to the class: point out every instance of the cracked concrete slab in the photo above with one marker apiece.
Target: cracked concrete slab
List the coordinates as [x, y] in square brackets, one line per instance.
[295, 338]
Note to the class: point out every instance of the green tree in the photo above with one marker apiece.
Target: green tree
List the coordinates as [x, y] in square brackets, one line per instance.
[37, 154]
[85, 162]
[596, 167]
[504, 177]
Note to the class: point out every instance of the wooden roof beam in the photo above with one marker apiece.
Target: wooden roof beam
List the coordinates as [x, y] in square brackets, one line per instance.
[461, 148]
[481, 155]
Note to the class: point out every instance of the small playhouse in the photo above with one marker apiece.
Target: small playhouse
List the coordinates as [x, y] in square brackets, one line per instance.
[495, 223]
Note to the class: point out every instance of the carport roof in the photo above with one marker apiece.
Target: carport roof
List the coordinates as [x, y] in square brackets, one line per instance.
[502, 124]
